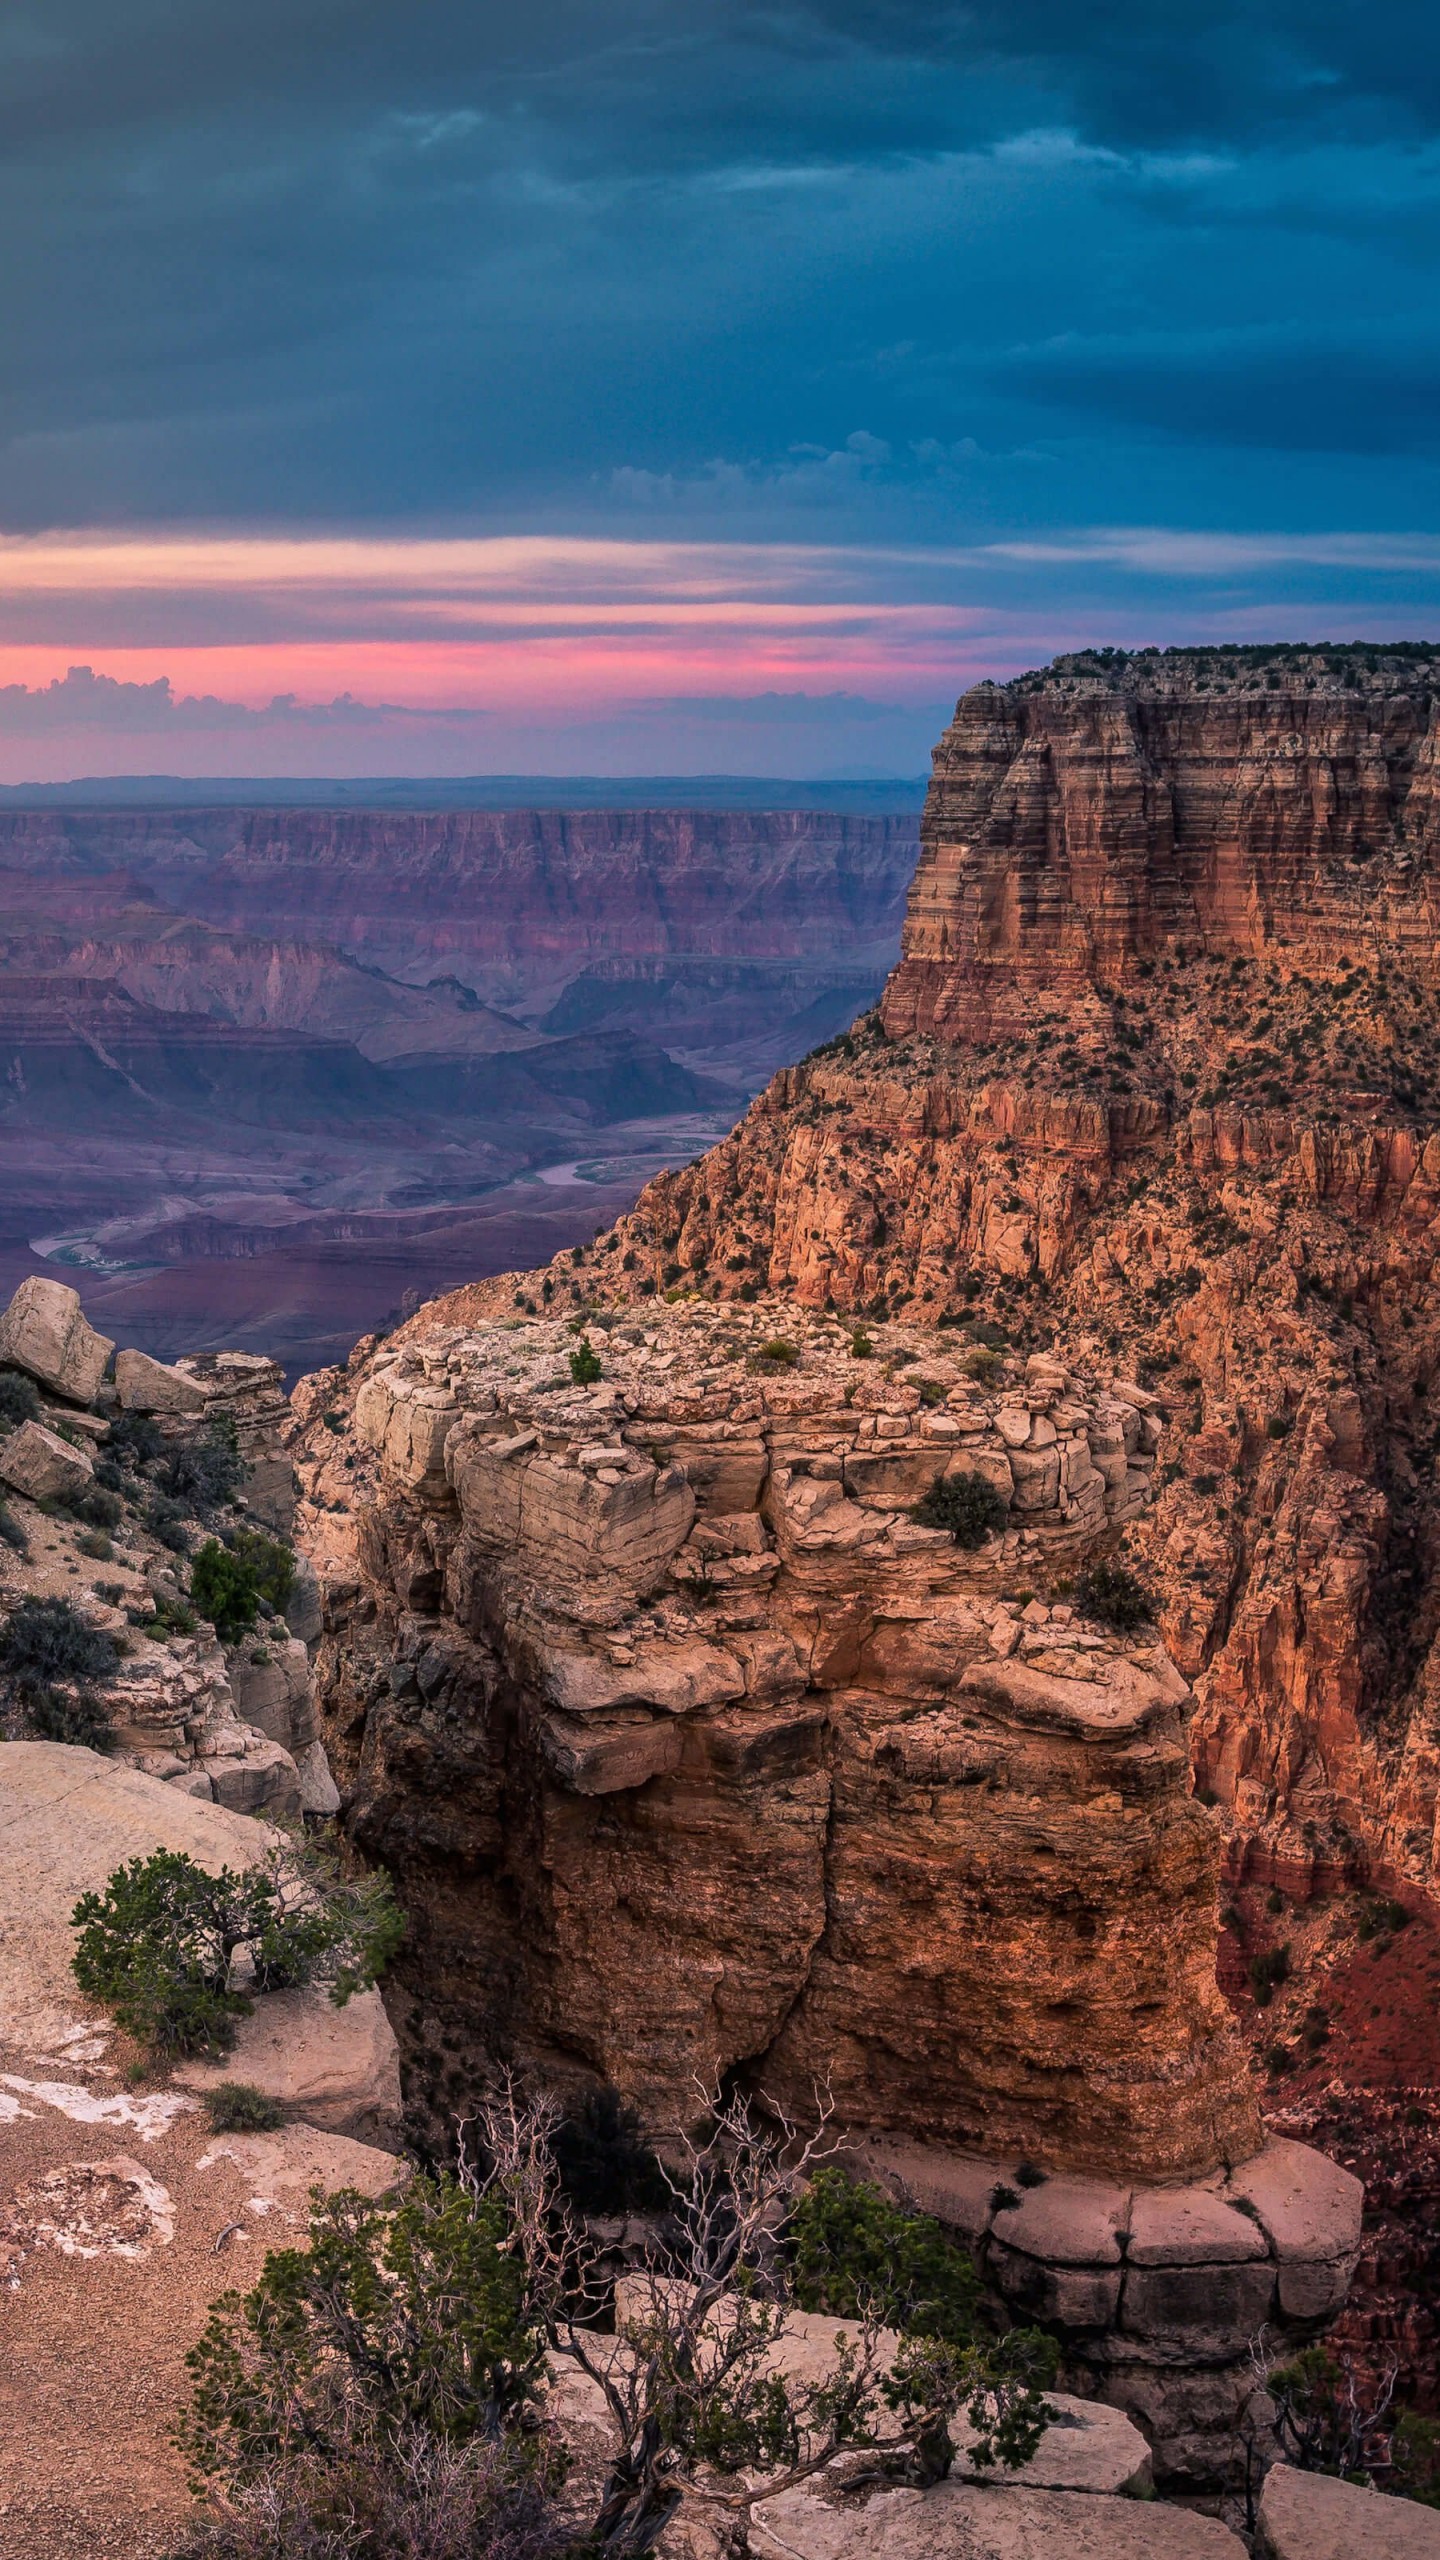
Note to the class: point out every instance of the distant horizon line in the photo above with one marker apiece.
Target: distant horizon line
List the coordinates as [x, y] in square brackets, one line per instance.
[899, 793]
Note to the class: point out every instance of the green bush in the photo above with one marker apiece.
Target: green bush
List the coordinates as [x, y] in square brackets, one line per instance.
[585, 1368]
[605, 2164]
[159, 1947]
[169, 1522]
[861, 1346]
[395, 2317]
[205, 1474]
[44, 1641]
[778, 1354]
[96, 1546]
[854, 2249]
[101, 1508]
[136, 1440]
[1113, 1596]
[225, 1589]
[18, 1401]
[1267, 1971]
[237, 2106]
[967, 1505]
[272, 1564]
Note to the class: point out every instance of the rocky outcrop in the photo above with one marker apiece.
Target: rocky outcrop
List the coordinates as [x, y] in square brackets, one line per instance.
[1157, 1078]
[695, 1754]
[235, 1727]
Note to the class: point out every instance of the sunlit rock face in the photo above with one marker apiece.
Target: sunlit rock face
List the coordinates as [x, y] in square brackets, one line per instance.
[696, 1755]
[1157, 1080]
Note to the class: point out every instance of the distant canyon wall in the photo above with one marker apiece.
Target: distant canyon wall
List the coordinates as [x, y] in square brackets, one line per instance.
[683, 907]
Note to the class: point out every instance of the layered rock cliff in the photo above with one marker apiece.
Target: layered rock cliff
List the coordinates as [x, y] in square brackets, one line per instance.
[1157, 1077]
[695, 1755]
[706, 928]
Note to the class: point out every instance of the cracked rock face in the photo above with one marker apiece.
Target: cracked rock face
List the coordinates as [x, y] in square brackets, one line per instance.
[1158, 1077]
[694, 1753]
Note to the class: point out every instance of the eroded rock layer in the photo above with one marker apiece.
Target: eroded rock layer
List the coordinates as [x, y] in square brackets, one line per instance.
[1158, 1079]
[694, 1754]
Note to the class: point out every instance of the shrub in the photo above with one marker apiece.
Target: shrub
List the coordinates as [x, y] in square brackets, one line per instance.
[1267, 1971]
[102, 1508]
[75, 1716]
[854, 2249]
[11, 1531]
[967, 1505]
[205, 1473]
[168, 1521]
[237, 2106]
[225, 1589]
[1113, 1596]
[271, 1563]
[983, 1366]
[585, 1368]
[861, 1346]
[429, 2500]
[605, 2165]
[779, 1354]
[135, 1439]
[18, 1401]
[158, 1948]
[96, 1545]
[44, 1641]
[394, 2317]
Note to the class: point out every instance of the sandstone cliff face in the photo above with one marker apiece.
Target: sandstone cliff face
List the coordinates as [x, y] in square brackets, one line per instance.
[695, 1756]
[1157, 1078]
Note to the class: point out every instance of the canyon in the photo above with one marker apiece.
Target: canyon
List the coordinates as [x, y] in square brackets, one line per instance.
[676, 1715]
[302, 1062]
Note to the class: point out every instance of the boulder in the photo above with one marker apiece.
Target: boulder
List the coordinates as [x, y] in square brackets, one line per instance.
[44, 1332]
[1304, 2515]
[68, 1819]
[339, 2069]
[960, 2520]
[40, 1464]
[149, 1386]
[282, 2167]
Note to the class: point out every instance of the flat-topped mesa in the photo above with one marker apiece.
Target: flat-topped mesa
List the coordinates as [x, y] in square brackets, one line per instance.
[695, 1753]
[1086, 819]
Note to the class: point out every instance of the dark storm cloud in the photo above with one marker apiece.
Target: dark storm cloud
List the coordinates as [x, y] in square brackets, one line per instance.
[822, 266]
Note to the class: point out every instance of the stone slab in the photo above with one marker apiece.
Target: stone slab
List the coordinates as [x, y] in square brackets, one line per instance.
[42, 1466]
[1189, 2227]
[958, 2192]
[285, 2165]
[1307, 2204]
[151, 1386]
[44, 1332]
[1204, 2311]
[1069, 2222]
[1305, 2516]
[338, 2069]
[960, 2521]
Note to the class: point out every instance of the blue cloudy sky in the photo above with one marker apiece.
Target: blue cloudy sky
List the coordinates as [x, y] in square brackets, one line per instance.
[685, 385]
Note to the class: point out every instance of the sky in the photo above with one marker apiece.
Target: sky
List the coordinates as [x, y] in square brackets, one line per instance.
[616, 386]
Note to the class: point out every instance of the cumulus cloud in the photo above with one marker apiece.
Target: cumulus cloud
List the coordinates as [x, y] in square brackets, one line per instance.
[84, 701]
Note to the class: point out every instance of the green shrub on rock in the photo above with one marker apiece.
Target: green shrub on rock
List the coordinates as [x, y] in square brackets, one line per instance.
[1114, 1596]
[229, 1581]
[162, 1947]
[237, 2106]
[967, 1505]
[854, 2248]
[18, 1401]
